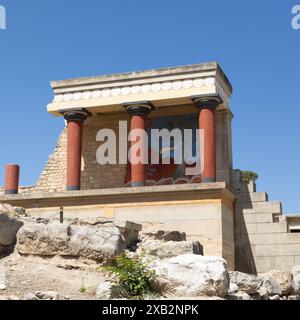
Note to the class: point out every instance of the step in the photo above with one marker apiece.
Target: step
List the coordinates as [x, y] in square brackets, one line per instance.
[259, 218]
[267, 206]
[253, 197]
[275, 238]
[261, 228]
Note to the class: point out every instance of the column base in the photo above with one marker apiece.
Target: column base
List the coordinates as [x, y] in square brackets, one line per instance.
[208, 179]
[8, 192]
[137, 184]
[73, 188]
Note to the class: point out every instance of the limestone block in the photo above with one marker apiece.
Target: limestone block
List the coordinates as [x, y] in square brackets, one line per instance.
[96, 243]
[44, 239]
[259, 218]
[272, 287]
[267, 263]
[169, 249]
[267, 228]
[102, 241]
[243, 282]
[283, 279]
[194, 275]
[8, 229]
[265, 207]
[277, 250]
[104, 291]
[170, 235]
[276, 238]
[253, 197]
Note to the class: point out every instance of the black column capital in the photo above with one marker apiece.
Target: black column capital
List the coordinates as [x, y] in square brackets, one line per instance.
[207, 101]
[140, 108]
[79, 114]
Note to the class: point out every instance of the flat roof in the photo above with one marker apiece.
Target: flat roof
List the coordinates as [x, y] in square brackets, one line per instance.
[162, 87]
[141, 74]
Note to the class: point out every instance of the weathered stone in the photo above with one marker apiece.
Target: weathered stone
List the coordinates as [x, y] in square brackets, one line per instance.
[44, 239]
[2, 277]
[238, 296]
[272, 287]
[104, 291]
[170, 236]
[128, 229]
[44, 295]
[283, 279]
[296, 280]
[30, 296]
[8, 229]
[244, 282]
[276, 297]
[9, 298]
[169, 249]
[130, 232]
[255, 296]
[263, 292]
[96, 243]
[103, 241]
[293, 298]
[192, 275]
[48, 295]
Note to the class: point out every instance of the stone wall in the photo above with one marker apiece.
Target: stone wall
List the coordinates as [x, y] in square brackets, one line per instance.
[27, 189]
[53, 177]
[93, 175]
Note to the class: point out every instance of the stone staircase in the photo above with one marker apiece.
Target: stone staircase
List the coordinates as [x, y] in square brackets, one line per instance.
[265, 238]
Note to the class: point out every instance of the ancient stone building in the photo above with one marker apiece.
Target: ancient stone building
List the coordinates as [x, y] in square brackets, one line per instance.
[213, 205]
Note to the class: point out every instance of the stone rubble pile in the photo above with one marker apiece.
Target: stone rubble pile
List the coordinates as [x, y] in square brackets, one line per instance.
[182, 272]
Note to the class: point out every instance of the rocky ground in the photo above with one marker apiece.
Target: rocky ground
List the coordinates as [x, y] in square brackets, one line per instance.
[68, 278]
[47, 260]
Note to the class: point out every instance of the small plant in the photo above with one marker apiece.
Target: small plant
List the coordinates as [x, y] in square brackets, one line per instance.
[82, 289]
[133, 277]
[249, 176]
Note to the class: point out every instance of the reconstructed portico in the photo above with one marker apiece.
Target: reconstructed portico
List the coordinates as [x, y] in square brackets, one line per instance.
[202, 89]
[214, 205]
[159, 196]
[211, 203]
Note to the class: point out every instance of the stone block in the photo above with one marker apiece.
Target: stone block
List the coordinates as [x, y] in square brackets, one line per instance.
[277, 250]
[258, 218]
[265, 207]
[275, 238]
[253, 197]
[280, 263]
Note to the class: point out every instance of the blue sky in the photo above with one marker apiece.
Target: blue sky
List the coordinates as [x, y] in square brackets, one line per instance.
[253, 41]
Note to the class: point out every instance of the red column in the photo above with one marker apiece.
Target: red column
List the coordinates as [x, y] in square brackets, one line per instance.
[138, 114]
[138, 170]
[207, 123]
[75, 122]
[12, 173]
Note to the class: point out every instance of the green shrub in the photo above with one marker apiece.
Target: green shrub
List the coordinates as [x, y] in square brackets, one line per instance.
[133, 278]
[249, 176]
